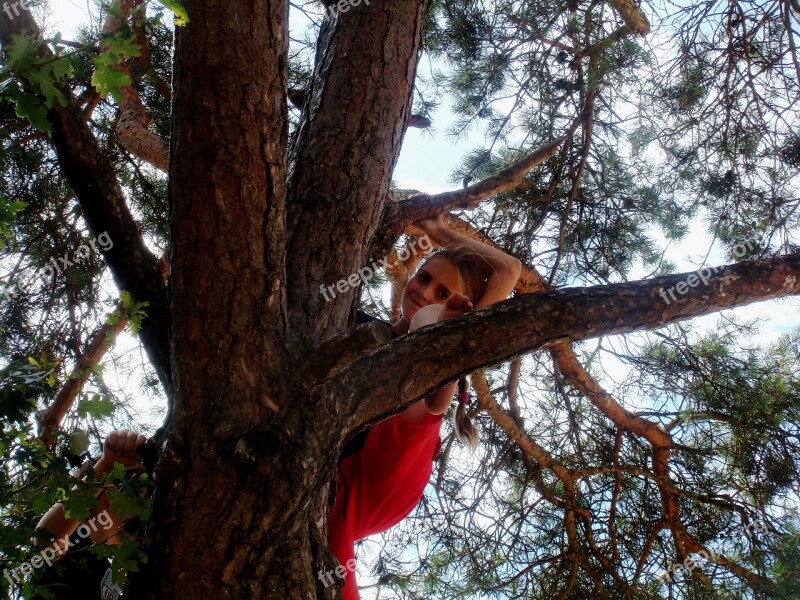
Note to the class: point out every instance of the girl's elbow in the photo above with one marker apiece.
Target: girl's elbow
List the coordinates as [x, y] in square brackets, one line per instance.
[512, 274]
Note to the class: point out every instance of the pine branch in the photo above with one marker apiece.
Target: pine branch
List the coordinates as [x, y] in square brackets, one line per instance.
[659, 439]
[90, 174]
[632, 15]
[400, 214]
[132, 125]
[417, 363]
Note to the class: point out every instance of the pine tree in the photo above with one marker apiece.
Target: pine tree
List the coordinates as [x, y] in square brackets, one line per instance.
[235, 171]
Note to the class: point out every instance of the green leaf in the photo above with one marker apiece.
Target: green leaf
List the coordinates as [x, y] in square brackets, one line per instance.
[78, 442]
[117, 473]
[77, 506]
[130, 504]
[41, 78]
[181, 16]
[108, 81]
[61, 68]
[41, 502]
[97, 407]
[21, 51]
[134, 311]
[107, 58]
[8, 210]
[124, 47]
[29, 107]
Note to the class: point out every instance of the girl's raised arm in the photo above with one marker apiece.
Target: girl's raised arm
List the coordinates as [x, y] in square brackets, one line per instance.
[505, 269]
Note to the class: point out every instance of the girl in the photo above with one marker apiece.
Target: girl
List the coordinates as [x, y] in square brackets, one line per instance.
[380, 483]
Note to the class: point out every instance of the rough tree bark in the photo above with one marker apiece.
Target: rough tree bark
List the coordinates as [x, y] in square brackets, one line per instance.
[250, 451]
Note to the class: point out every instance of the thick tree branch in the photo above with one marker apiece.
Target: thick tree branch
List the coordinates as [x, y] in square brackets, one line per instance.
[355, 113]
[99, 343]
[416, 363]
[101, 340]
[400, 214]
[568, 364]
[507, 422]
[227, 193]
[133, 119]
[632, 15]
[353, 344]
[143, 64]
[132, 128]
[227, 200]
[90, 174]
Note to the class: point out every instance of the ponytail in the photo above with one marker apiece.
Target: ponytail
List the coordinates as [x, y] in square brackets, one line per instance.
[465, 429]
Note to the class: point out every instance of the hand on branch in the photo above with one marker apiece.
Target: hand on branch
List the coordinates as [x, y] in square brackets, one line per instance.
[431, 226]
[123, 447]
[456, 305]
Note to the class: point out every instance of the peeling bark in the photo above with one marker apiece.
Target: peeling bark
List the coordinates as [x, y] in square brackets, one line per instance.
[133, 120]
[632, 15]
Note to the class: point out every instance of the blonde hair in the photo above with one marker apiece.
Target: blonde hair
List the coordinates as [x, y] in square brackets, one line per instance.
[474, 271]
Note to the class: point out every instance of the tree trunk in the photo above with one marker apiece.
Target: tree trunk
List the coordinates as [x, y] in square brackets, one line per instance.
[241, 507]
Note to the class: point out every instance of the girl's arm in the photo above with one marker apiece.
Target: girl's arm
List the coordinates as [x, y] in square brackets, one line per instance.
[119, 446]
[438, 402]
[505, 269]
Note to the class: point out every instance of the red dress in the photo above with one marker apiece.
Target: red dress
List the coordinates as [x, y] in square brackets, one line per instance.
[379, 485]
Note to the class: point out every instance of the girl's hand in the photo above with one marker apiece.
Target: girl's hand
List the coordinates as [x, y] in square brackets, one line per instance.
[123, 447]
[455, 306]
[431, 224]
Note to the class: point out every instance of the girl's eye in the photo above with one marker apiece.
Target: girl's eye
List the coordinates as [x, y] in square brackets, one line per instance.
[422, 277]
[443, 295]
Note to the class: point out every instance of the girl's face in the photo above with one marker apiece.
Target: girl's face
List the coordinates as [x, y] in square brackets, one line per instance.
[433, 283]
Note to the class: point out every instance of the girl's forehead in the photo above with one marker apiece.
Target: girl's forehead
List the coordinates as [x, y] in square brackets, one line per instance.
[445, 271]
